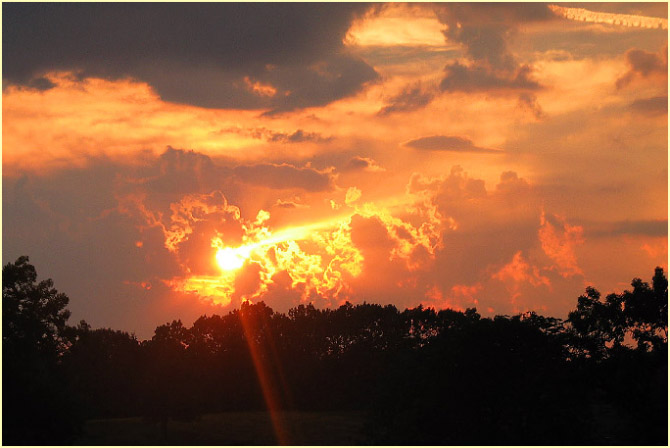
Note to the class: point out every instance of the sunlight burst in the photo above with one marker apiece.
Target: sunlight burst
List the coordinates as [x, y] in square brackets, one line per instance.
[230, 259]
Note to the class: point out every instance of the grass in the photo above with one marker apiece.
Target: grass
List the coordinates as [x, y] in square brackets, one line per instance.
[231, 428]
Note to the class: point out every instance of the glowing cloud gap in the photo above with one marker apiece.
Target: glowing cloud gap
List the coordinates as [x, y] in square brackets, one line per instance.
[629, 20]
[229, 257]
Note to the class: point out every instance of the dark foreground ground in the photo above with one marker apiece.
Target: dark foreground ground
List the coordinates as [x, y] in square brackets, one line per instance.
[230, 428]
[301, 428]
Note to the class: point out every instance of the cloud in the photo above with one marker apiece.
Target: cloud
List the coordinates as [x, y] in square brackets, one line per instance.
[353, 194]
[396, 25]
[412, 97]
[474, 78]
[301, 136]
[289, 204]
[178, 171]
[649, 227]
[529, 102]
[521, 279]
[447, 143]
[284, 176]
[644, 64]
[74, 215]
[41, 84]
[519, 271]
[210, 55]
[558, 240]
[358, 163]
[491, 254]
[482, 227]
[657, 105]
[269, 135]
[438, 244]
[193, 222]
[511, 184]
[281, 293]
[296, 137]
[484, 29]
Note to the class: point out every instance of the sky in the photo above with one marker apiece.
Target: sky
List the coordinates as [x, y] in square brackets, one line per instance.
[168, 161]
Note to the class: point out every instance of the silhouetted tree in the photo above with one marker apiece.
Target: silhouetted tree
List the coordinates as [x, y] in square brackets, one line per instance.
[38, 404]
[168, 377]
[104, 364]
[646, 311]
[601, 326]
[33, 314]
[598, 323]
[491, 381]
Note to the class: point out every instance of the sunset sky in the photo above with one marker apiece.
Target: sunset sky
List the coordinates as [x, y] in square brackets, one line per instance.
[167, 161]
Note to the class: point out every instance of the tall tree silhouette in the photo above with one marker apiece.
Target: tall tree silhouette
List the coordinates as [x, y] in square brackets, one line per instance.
[38, 404]
[646, 311]
[602, 326]
[33, 314]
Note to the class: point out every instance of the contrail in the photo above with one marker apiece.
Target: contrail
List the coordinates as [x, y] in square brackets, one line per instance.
[584, 15]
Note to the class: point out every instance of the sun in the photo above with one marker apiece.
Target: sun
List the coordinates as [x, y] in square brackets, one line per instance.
[230, 259]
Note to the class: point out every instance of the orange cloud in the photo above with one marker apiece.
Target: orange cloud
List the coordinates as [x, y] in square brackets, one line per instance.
[259, 88]
[558, 240]
[94, 118]
[520, 271]
[458, 298]
[396, 24]
[226, 258]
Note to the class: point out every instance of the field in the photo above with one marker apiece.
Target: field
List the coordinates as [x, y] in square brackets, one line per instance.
[230, 428]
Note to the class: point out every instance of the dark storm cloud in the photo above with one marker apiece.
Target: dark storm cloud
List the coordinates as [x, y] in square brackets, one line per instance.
[413, 97]
[211, 55]
[484, 29]
[40, 84]
[477, 78]
[643, 64]
[652, 106]
[447, 143]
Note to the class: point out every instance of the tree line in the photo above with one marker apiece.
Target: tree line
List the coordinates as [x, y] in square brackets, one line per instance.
[420, 376]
